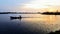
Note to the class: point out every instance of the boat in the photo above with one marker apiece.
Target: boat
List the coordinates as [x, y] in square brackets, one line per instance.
[11, 17]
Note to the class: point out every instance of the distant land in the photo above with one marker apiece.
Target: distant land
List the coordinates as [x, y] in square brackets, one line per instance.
[56, 32]
[44, 13]
[18, 13]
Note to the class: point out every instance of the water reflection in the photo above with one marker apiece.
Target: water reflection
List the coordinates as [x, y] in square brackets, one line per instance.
[42, 25]
[47, 23]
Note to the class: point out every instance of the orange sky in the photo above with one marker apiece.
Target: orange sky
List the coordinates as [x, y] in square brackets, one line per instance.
[42, 5]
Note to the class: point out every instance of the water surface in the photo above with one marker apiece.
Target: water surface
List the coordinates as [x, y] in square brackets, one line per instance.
[42, 25]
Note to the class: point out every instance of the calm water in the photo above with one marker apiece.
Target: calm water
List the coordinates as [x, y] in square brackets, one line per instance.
[42, 25]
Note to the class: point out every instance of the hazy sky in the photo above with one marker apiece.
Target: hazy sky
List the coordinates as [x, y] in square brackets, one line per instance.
[50, 5]
[12, 4]
[34, 4]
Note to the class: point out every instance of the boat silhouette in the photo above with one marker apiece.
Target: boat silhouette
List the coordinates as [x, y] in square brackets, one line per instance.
[11, 17]
[20, 17]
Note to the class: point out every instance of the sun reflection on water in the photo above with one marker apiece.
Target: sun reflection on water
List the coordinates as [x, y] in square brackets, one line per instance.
[46, 22]
[45, 18]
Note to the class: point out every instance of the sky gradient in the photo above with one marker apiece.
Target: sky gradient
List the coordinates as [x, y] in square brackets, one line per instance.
[29, 5]
[11, 4]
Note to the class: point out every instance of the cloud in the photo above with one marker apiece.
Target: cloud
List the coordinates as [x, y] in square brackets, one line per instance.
[12, 5]
[41, 5]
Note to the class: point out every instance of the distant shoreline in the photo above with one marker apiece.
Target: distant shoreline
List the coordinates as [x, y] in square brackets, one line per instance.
[17, 13]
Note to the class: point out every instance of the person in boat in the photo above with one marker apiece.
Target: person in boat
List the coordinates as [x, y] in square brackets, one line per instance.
[20, 17]
[16, 17]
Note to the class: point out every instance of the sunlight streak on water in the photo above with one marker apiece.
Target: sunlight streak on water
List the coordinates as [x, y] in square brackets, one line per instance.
[48, 22]
[44, 23]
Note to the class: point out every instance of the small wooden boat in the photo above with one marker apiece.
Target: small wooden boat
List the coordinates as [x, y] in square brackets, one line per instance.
[16, 17]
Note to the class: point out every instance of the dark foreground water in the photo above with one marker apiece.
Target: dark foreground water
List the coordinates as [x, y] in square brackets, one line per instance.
[41, 25]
